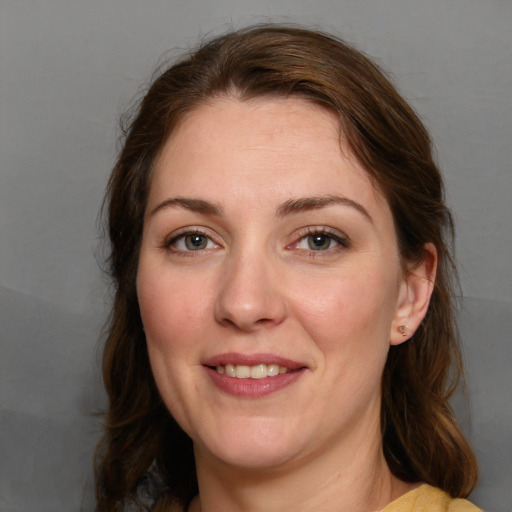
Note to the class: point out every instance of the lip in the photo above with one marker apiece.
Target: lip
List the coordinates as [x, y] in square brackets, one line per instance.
[252, 360]
[252, 388]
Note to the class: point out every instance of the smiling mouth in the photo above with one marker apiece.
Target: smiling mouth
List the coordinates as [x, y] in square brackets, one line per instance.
[255, 375]
[259, 371]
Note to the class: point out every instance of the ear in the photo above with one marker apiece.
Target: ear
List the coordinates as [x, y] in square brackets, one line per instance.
[414, 296]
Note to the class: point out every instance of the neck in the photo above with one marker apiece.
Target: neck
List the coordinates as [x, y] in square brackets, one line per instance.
[353, 477]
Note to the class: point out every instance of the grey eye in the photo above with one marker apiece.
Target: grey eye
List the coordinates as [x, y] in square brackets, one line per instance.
[319, 242]
[195, 242]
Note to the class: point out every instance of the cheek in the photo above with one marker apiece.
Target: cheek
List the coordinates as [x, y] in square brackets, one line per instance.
[347, 309]
[173, 310]
[349, 321]
[173, 313]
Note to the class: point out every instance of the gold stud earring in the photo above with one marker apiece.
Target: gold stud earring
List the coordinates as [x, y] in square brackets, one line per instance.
[402, 330]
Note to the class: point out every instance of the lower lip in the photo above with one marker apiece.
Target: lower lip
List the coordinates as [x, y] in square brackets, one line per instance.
[253, 388]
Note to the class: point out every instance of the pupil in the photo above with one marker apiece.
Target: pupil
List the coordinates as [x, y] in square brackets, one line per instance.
[195, 242]
[321, 242]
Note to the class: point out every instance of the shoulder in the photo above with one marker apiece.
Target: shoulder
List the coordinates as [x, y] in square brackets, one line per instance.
[430, 499]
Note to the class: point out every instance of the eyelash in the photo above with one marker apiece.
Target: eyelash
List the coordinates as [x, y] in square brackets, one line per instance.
[342, 241]
[170, 242]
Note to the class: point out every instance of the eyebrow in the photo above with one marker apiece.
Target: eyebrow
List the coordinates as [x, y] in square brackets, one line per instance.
[195, 205]
[290, 207]
[302, 204]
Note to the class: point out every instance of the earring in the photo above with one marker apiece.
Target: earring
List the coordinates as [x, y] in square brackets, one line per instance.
[402, 330]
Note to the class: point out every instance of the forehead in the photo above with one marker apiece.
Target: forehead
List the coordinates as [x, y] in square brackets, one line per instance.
[286, 147]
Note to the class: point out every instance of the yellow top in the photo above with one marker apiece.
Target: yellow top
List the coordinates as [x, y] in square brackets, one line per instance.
[425, 498]
[429, 499]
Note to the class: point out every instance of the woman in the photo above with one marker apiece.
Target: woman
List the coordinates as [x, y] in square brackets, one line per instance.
[282, 334]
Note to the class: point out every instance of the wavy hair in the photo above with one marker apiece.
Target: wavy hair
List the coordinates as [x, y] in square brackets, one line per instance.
[144, 457]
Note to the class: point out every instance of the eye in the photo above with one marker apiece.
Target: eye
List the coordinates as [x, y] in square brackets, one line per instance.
[321, 240]
[191, 241]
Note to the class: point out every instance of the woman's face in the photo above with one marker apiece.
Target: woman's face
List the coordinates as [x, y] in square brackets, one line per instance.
[269, 284]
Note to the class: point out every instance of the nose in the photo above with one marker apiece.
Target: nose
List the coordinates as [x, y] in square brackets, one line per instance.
[250, 296]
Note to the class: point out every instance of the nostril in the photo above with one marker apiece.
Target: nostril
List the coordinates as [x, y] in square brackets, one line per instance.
[248, 298]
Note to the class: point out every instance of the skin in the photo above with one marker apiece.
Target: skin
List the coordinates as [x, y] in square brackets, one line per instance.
[256, 286]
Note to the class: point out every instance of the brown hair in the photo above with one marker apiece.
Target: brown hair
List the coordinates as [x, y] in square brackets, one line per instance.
[144, 452]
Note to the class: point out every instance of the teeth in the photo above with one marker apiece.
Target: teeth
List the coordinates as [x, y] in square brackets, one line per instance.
[260, 371]
[242, 372]
[230, 370]
[274, 369]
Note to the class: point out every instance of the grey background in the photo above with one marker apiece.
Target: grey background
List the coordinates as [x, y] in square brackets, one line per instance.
[69, 68]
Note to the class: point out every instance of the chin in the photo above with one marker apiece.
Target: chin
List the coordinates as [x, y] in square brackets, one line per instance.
[260, 445]
[255, 457]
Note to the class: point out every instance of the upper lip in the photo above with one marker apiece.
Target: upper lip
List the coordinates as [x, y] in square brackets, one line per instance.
[252, 360]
